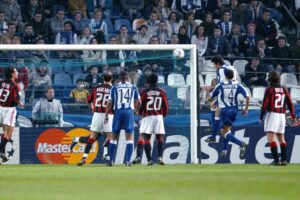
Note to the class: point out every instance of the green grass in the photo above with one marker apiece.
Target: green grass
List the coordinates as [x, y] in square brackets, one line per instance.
[220, 182]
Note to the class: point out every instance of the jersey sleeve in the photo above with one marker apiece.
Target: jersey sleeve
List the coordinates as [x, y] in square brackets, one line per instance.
[265, 103]
[90, 97]
[165, 103]
[289, 103]
[215, 92]
[242, 90]
[136, 94]
[111, 96]
[144, 101]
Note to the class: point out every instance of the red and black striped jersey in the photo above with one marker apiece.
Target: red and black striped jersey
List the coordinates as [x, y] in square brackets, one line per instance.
[100, 97]
[154, 102]
[276, 100]
[9, 93]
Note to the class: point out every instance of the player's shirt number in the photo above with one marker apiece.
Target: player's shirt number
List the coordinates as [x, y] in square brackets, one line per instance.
[124, 95]
[154, 103]
[279, 100]
[101, 100]
[4, 94]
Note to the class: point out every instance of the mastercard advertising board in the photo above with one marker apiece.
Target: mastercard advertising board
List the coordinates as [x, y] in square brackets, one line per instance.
[53, 146]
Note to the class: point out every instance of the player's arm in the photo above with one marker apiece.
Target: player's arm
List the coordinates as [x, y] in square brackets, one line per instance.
[290, 104]
[109, 104]
[246, 95]
[143, 104]
[264, 107]
[166, 104]
[137, 100]
[213, 94]
[89, 101]
[36, 110]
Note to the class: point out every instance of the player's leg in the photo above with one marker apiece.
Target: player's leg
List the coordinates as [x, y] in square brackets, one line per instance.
[129, 129]
[8, 130]
[139, 150]
[283, 146]
[160, 148]
[215, 124]
[116, 128]
[93, 137]
[273, 146]
[105, 146]
[147, 147]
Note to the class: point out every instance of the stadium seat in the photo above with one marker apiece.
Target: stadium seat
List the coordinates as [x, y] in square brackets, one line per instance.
[208, 67]
[161, 79]
[110, 27]
[121, 22]
[198, 21]
[73, 66]
[209, 77]
[216, 21]
[289, 80]
[258, 93]
[188, 80]
[295, 95]
[227, 62]
[181, 92]
[62, 79]
[137, 23]
[56, 66]
[240, 66]
[78, 76]
[176, 80]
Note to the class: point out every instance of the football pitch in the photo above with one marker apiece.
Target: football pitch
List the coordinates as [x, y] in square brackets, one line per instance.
[221, 181]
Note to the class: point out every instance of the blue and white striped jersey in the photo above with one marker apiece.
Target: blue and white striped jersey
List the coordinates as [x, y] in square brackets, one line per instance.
[221, 73]
[123, 95]
[227, 93]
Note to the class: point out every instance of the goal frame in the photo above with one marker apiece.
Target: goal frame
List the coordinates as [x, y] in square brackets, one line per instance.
[193, 72]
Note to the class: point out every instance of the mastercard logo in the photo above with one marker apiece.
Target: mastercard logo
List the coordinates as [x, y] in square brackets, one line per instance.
[53, 147]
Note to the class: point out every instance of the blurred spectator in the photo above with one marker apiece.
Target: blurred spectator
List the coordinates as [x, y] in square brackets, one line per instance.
[249, 41]
[274, 6]
[6, 38]
[174, 39]
[86, 36]
[30, 9]
[48, 112]
[105, 5]
[123, 37]
[214, 7]
[39, 80]
[265, 55]
[80, 93]
[23, 75]
[93, 78]
[182, 35]
[255, 75]
[218, 44]
[91, 57]
[234, 39]
[132, 8]
[296, 52]
[3, 24]
[190, 24]
[265, 28]
[143, 36]
[152, 23]
[282, 55]
[253, 11]
[200, 40]
[114, 57]
[226, 24]
[78, 5]
[41, 55]
[14, 54]
[142, 82]
[57, 24]
[162, 9]
[12, 13]
[195, 6]
[163, 33]
[67, 37]
[40, 27]
[133, 73]
[132, 55]
[237, 12]
[28, 37]
[208, 24]
[97, 23]
[174, 22]
[79, 22]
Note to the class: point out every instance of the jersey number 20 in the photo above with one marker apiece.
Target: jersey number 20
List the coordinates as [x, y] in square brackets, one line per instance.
[154, 103]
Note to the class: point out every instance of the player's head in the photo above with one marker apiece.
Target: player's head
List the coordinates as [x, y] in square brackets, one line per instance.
[11, 73]
[218, 61]
[274, 79]
[229, 74]
[123, 76]
[107, 77]
[152, 80]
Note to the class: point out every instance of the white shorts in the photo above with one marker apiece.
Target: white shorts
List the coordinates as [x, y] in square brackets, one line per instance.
[275, 122]
[8, 116]
[98, 125]
[153, 124]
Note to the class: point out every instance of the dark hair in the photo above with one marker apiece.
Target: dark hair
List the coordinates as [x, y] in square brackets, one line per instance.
[68, 22]
[229, 74]
[281, 38]
[267, 10]
[274, 79]
[79, 80]
[218, 60]
[123, 76]
[107, 76]
[152, 79]
[8, 72]
[28, 24]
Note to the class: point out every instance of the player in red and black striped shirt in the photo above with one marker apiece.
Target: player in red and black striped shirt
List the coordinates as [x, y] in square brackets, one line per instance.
[9, 99]
[98, 101]
[275, 101]
[153, 109]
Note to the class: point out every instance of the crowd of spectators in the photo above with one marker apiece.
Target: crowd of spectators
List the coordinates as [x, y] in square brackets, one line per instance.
[235, 29]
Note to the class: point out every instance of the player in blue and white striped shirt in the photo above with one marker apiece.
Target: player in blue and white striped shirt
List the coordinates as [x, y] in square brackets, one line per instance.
[125, 100]
[227, 93]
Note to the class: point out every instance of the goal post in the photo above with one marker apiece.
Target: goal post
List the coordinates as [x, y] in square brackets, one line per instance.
[192, 53]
